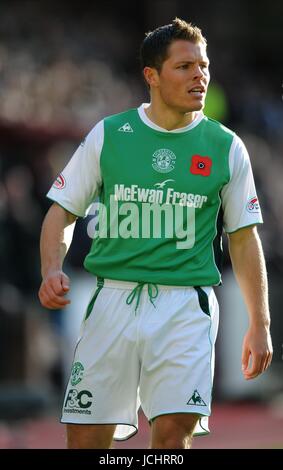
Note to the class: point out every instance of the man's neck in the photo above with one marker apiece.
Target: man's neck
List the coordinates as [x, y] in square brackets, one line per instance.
[168, 119]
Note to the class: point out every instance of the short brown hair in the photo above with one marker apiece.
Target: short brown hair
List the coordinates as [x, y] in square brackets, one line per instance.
[154, 48]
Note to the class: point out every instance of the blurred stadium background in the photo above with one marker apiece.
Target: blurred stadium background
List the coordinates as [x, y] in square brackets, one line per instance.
[63, 66]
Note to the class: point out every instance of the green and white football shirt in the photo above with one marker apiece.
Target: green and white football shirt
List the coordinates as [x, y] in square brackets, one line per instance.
[164, 197]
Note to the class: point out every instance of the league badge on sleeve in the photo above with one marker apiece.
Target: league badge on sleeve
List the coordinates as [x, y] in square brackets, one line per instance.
[60, 182]
[253, 205]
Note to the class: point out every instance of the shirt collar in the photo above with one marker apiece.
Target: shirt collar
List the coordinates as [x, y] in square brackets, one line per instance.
[149, 123]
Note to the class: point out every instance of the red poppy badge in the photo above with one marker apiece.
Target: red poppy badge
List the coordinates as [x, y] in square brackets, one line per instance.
[200, 165]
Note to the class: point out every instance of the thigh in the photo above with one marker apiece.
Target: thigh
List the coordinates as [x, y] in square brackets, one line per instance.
[173, 431]
[178, 356]
[93, 436]
[102, 388]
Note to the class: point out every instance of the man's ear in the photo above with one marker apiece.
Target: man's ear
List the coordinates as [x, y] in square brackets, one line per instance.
[151, 76]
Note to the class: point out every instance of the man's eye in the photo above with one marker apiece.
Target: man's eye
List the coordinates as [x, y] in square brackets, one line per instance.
[184, 66]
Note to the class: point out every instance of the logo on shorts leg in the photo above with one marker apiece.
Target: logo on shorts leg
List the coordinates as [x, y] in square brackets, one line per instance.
[78, 402]
[77, 373]
[196, 399]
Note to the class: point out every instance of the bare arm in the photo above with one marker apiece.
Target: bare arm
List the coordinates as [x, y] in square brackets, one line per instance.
[56, 236]
[249, 267]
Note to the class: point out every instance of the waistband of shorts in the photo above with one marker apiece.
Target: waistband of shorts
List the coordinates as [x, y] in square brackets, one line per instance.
[130, 285]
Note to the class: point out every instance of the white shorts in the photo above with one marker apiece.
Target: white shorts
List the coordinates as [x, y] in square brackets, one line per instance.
[139, 347]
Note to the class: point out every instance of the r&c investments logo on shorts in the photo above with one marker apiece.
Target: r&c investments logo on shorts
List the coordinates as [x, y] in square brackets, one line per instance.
[78, 402]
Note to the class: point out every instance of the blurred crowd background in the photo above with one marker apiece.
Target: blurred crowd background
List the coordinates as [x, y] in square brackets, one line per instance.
[64, 66]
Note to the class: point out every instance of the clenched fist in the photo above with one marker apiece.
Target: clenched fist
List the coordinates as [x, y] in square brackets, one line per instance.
[53, 289]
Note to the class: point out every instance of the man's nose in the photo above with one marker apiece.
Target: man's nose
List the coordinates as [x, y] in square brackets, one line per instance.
[198, 72]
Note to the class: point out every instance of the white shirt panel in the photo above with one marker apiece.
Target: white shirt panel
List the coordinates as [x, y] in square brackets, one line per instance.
[80, 180]
[239, 198]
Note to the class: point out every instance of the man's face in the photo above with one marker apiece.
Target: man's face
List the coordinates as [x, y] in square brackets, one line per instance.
[184, 76]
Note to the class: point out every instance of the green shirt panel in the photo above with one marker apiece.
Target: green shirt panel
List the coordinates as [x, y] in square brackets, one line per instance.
[127, 160]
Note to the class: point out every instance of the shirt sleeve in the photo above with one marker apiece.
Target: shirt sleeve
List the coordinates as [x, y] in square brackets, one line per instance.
[78, 185]
[239, 199]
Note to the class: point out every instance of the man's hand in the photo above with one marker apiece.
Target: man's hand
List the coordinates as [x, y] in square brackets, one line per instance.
[53, 289]
[257, 346]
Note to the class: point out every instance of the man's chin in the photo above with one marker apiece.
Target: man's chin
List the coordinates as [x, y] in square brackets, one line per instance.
[197, 106]
[194, 108]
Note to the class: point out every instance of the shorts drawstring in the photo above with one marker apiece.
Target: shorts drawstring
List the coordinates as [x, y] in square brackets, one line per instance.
[138, 290]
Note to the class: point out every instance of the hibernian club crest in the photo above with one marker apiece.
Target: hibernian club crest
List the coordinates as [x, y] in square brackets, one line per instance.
[163, 160]
[77, 373]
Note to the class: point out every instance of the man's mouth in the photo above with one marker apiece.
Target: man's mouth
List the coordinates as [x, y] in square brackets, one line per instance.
[197, 91]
